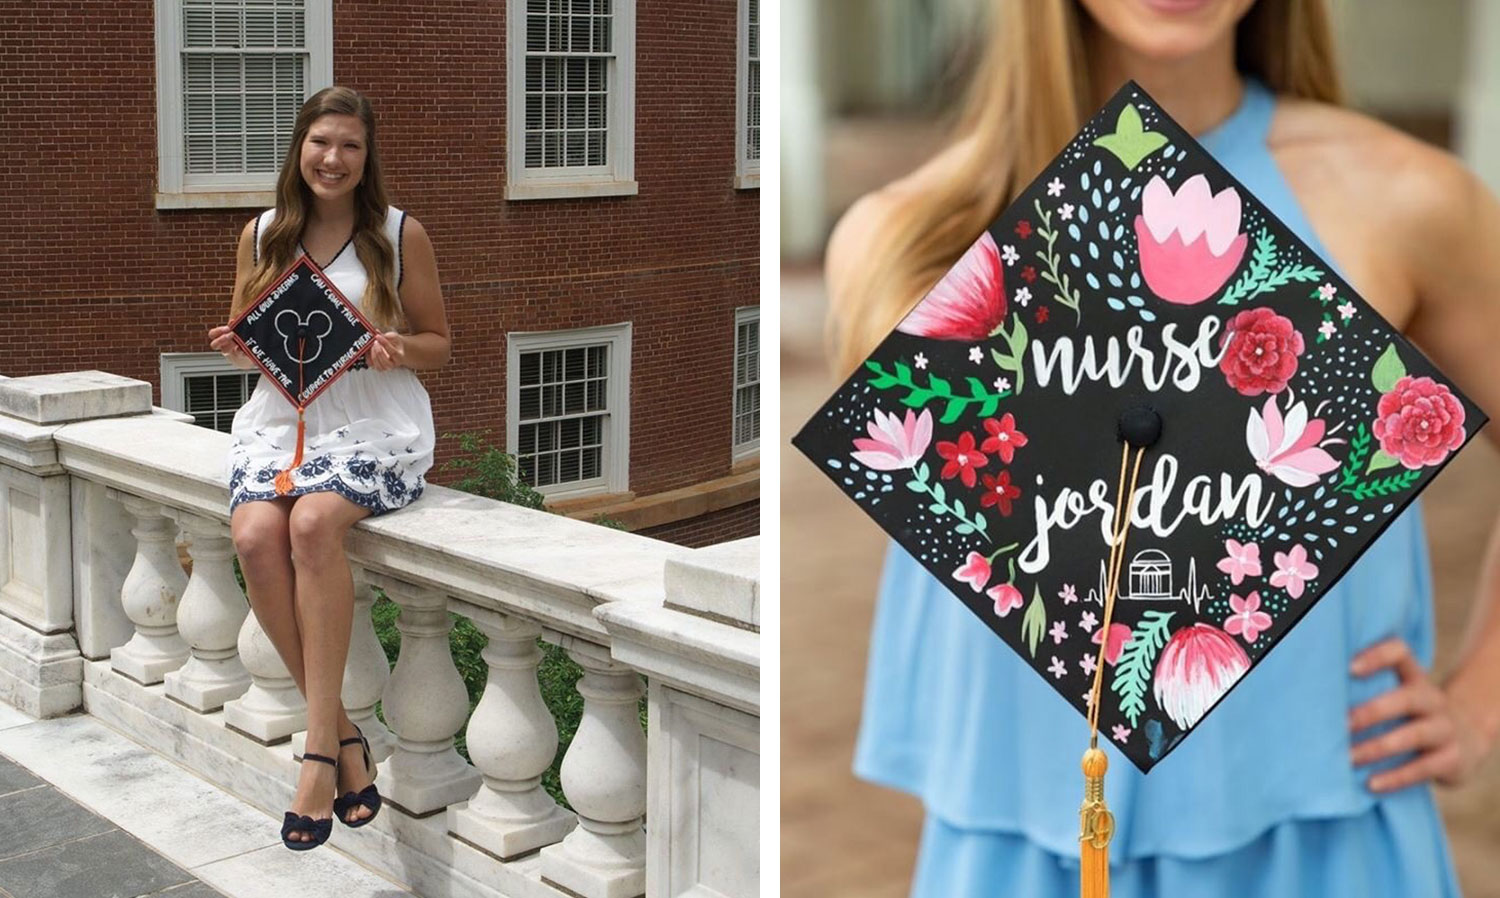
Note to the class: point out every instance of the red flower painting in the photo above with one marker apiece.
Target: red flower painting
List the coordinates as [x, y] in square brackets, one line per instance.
[963, 457]
[1419, 422]
[999, 491]
[968, 303]
[1262, 352]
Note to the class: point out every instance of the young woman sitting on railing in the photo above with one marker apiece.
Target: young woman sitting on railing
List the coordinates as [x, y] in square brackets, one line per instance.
[368, 438]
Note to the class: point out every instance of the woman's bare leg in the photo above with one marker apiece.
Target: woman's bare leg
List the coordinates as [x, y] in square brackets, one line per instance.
[262, 540]
[324, 611]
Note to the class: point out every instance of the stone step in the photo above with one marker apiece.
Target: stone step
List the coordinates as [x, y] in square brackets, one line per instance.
[126, 821]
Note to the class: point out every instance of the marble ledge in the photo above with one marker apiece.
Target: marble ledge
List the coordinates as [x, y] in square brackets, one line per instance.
[696, 655]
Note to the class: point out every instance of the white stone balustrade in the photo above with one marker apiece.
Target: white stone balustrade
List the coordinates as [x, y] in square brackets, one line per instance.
[209, 618]
[366, 672]
[108, 479]
[604, 778]
[701, 652]
[272, 709]
[512, 739]
[425, 704]
[151, 592]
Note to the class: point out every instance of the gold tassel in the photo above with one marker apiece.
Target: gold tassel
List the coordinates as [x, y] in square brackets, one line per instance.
[1096, 823]
[284, 479]
[1098, 826]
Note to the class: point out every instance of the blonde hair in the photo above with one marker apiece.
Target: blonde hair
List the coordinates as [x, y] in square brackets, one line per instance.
[1028, 97]
[293, 197]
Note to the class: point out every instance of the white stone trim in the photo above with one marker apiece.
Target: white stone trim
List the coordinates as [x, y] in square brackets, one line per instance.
[177, 366]
[615, 179]
[746, 170]
[749, 448]
[176, 189]
[615, 476]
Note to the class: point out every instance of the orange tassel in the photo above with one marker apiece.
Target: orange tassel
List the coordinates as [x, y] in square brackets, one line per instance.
[1098, 827]
[284, 479]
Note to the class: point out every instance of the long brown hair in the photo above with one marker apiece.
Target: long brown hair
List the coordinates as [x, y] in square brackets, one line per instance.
[293, 197]
[1028, 97]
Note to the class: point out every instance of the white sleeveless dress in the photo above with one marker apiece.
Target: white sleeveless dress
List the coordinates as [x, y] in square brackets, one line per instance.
[369, 436]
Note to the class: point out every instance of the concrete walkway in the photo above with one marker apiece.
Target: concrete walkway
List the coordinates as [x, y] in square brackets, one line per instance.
[87, 813]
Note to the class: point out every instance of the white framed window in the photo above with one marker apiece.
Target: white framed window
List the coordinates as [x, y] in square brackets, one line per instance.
[206, 386]
[567, 401]
[230, 77]
[746, 382]
[570, 71]
[747, 102]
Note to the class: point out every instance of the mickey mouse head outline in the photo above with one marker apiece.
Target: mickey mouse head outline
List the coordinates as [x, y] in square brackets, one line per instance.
[301, 329]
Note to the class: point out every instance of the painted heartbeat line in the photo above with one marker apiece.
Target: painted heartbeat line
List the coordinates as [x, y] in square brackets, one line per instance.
[1149, 579]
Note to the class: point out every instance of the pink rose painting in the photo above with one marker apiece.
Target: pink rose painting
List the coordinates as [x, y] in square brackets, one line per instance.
[1190, 241]
[975, 571]
[968, 303]
[1419, 422]
[1261, 350]
[1119, 637]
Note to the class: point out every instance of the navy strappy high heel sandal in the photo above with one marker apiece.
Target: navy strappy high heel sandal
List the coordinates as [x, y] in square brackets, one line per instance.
[320, 830]
[368, 797]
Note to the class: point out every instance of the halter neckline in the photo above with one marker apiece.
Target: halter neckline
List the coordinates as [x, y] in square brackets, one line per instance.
[1251, 119]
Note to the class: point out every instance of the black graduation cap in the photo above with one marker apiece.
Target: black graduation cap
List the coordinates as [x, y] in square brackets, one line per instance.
[304, 334]
[1136, 298]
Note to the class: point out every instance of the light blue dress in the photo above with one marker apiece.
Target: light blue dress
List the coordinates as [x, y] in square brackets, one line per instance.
[1261, 799]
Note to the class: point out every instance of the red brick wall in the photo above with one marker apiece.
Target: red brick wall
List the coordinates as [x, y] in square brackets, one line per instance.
[736, 522]
[96, 277]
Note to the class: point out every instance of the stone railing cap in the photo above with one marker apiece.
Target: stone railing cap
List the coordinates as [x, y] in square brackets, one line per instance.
[73, 396]
[721, 582]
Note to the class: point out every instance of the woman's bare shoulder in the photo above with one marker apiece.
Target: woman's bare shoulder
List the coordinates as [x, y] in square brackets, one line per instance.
[1369, 163]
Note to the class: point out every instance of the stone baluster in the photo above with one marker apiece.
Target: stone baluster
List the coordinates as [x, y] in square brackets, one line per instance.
[367, 672]
[512, 739]
[425, 706]
[272, 709]
[150, 595]
[212, 612]
[604, 778]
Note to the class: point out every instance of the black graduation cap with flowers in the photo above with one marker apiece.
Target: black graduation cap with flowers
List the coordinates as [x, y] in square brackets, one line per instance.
[304, 334]
[1136, 278]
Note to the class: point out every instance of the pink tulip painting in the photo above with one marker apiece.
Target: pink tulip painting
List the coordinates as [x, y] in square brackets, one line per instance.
[968, 303]
[1190, 241]
[1007, 598]
[1197, 666]
[894, 444]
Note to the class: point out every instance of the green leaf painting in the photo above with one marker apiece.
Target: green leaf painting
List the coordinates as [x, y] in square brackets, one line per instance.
[1137, 662]
[1267, 272]
[1034, 624]
[937, 390]
[1388, 370]
[1131, 142]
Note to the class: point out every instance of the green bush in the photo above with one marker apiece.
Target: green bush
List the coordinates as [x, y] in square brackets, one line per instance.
[488, 471]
